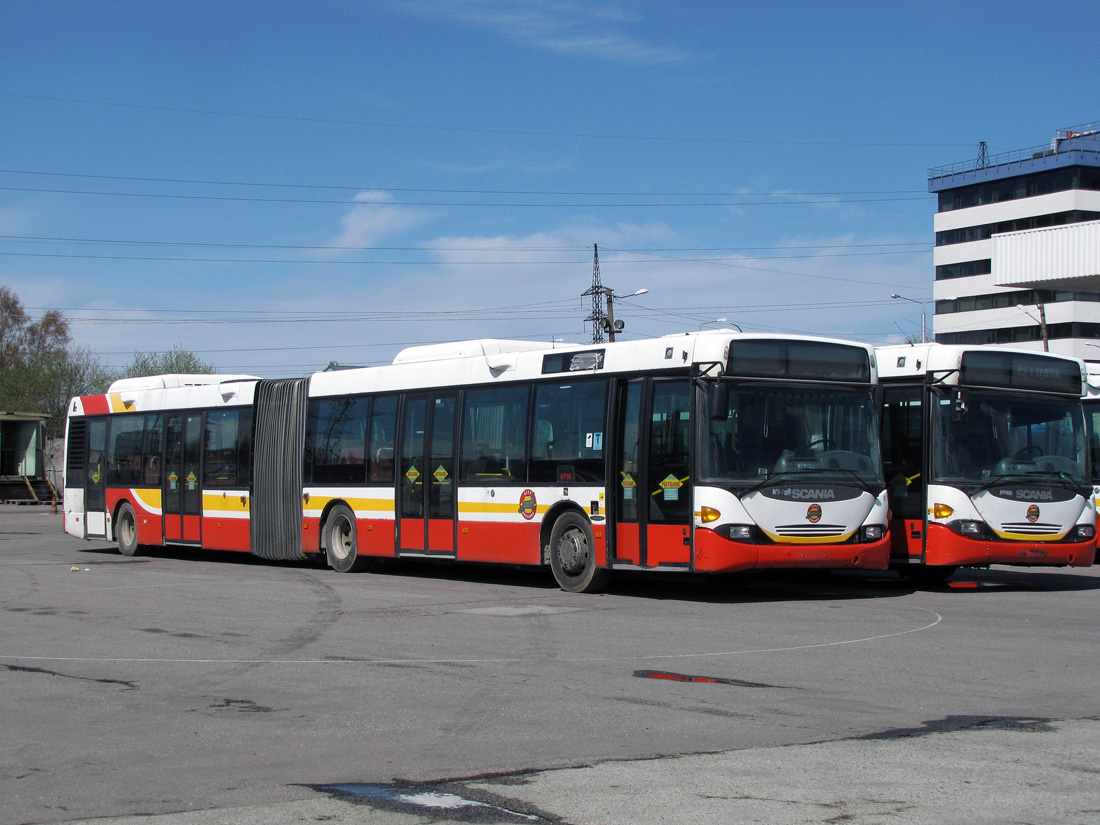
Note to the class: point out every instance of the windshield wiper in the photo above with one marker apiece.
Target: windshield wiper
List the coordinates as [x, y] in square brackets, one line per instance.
[1049, 475]
[811, 476]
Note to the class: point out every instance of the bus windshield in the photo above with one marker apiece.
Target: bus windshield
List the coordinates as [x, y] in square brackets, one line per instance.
[984, 435]
[795, 430]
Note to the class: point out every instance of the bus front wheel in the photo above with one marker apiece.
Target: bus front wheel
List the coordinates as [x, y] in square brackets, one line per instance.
[342, 541]
[573, 556]
[126, 530]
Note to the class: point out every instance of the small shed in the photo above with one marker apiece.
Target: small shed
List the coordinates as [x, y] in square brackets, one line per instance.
[22, 458]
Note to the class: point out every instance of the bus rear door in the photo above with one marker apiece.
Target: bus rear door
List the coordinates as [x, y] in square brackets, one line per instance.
[426, 476]
[182, 485]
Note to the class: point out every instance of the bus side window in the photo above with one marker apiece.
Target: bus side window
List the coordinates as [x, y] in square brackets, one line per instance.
[381, 429]
[494, 423]
[153, 450]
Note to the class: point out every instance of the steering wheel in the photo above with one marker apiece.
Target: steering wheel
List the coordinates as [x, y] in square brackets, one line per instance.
[1029, 453]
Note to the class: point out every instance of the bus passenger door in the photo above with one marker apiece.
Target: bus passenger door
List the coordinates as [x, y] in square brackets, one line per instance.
[182, 488]
[426, 500]
[652, 493]
[95, 480]
[668, 481]
[903, 457]
[626, 482]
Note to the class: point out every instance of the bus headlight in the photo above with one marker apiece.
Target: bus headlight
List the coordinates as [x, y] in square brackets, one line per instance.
[970, 529]
[738, 532]
[873, 532]
[1085, 532]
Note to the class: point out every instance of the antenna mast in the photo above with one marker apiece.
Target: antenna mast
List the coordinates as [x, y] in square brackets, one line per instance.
[597, 291]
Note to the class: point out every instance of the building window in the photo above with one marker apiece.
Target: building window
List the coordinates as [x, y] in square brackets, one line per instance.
[964, 270]
[1021, 186]
[1003, 300]
[986, 231]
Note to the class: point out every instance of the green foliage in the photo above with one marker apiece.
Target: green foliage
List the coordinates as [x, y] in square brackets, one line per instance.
[174, 361]
[41, 369]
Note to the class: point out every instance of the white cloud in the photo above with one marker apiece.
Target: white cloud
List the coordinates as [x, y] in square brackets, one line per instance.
[367, 225]
[587, 29]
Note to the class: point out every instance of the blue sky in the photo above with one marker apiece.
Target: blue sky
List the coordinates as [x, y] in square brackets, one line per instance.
[278, 185]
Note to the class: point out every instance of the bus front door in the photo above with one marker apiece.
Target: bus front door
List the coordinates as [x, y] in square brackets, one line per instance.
[95, 481]
[182, 481]
[426, 500]
[652, 491]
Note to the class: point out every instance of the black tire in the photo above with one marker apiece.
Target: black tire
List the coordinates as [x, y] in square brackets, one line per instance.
[573, 556]
[126, 530]
[342, 541]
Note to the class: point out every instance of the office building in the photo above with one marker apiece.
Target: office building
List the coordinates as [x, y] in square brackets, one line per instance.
[1017, 252]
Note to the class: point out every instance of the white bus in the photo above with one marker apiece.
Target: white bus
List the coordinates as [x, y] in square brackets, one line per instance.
[986, 458]
[706, 452]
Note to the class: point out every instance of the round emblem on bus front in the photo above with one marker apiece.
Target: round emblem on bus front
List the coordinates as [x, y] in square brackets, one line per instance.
[1033, 513]
[813, 514]
[527, 504]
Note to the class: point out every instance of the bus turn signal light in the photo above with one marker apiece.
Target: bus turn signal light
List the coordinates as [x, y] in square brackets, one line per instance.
[942, 510]
[708, 514]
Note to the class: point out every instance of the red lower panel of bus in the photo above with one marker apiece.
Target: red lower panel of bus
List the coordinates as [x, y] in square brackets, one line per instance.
[719, 555]
[412, 534]
[441, 535]
[667, 544]
[627, 545]
[220, 533]
[496, 542]
[182, 528]
[945, 547]
[376, 537]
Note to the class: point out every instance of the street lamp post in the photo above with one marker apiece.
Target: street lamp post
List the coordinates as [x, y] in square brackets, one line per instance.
[923, 304]
[1041, 320]
[611, 296]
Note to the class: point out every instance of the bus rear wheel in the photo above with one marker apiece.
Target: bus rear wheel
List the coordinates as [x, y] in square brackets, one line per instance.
[342, 541]
[126, 530]
[573, 556]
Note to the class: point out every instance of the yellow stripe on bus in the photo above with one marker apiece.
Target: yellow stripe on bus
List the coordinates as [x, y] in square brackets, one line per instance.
[778, 539]
[506, 508]
[118, 405]
[150, 499]
[224, 502]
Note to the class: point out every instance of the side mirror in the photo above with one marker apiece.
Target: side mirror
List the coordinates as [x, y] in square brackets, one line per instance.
[718, 401]
[960, 405]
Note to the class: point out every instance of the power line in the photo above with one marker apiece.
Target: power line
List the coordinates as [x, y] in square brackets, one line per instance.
[451, 204]
[477, 248]
[771, 140]
[376, 188]
[358, 262]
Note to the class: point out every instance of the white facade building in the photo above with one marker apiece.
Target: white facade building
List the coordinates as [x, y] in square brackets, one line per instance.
[1018, 247]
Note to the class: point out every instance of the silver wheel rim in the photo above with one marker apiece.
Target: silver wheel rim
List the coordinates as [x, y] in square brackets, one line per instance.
[127, 529]
[341, 536]
[573, 551]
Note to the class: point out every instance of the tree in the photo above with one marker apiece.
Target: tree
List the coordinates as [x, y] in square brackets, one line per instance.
[40, 369]
[177, 360]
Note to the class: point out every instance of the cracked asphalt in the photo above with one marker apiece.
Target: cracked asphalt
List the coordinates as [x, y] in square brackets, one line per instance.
[190, 688]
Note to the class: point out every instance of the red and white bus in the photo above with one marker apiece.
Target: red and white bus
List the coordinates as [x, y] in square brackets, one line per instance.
[705, 452]
[986, 458]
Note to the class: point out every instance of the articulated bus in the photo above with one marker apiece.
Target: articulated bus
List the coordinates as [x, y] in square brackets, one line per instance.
[706, 452]
[986, 459]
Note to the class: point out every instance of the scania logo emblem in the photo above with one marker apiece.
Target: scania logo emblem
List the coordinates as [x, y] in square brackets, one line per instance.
[1033, 513]
[813, 514]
